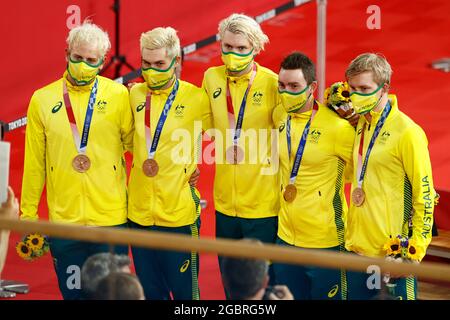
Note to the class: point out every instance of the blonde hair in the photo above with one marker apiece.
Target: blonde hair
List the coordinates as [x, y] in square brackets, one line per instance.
[240, 23]
[89, 33]
[374, 62]
[162, 38]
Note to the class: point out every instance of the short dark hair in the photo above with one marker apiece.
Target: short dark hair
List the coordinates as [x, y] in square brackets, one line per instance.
[119, 286]
[99, 266]
[298, 60]
[243, 278]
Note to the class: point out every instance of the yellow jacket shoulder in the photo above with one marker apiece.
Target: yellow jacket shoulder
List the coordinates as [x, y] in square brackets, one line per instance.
[112, 86]
[190, 88]
[52, 87]
[333, 118]
[218, 71]
[138, 88]
[266, 72]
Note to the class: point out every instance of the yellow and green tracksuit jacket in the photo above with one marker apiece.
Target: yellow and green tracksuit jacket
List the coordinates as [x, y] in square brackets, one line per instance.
[398, 186]
[316, 217]
[97, 197]
[167, 199]
[247, 189]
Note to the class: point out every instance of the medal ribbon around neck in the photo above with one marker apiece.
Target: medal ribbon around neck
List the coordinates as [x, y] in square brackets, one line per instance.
[362, 167]
[237, 125]
[80, 143]
[151, 148]
[301, 144]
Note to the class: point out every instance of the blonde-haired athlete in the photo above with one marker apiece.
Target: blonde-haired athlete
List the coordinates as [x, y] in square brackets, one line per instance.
[243, 95]
[78, 128]
[160, 197]
[392, 188]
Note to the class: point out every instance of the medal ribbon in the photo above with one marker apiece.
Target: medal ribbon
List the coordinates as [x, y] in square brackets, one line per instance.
[362, 167]
[237, 126]
[301, 144]
[80, 144]
[162, 119]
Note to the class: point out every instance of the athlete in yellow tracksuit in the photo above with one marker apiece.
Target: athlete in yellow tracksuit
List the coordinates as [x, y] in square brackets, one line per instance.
[244, 198]
[97, 196]
[165, 201]
[397, 185]
[234, 192]
[315, 216]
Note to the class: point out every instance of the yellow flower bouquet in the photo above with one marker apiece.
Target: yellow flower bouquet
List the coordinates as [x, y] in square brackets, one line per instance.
[32, 246]
[402, 247]
[337, 97]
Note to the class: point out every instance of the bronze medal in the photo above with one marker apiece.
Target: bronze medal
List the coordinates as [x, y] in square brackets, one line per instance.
[358, 197]
[81, 163]
[290, 193]
[150, 167]
[234, 155]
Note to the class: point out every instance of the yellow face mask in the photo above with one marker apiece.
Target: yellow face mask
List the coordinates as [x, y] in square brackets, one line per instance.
[294, 101]
[82, 72]
[236, 62]
[365, 102]
[158, 78]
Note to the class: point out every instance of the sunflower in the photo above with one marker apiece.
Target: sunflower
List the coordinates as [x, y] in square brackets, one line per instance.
[343, 93]
[35, 241]
[337, 95]
[392, 247]
[24, 251]
[413, 252]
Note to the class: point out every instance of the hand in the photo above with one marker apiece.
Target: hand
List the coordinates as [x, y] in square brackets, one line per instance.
[353, 120]
[194, 178]
[347, 112]
[281, 293]
[10, 209]
[393, 276]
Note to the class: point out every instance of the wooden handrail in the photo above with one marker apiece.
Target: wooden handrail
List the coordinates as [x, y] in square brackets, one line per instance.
[226, 247]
